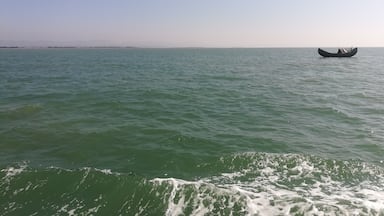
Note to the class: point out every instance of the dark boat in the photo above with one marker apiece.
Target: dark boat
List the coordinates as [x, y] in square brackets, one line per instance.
[349, 53]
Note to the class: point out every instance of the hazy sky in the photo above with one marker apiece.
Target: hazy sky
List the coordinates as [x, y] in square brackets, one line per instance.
[192, 23]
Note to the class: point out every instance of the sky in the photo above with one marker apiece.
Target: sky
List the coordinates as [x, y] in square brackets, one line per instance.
[192, 23]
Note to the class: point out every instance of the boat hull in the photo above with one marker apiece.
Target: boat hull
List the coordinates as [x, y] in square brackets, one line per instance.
[328, 54]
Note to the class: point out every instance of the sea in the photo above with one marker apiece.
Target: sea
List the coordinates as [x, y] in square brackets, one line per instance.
[191, 131]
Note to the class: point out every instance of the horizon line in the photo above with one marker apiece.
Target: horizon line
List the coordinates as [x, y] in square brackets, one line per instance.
[175, 47]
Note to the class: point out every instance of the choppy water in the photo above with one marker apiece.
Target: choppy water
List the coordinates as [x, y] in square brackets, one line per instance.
[191, 132]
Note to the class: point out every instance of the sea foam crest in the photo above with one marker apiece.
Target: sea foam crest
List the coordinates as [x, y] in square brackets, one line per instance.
[275, 184]
[12, 171]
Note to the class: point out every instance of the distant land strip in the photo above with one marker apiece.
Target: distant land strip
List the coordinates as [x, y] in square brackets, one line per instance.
[10, 47]
[69, 47]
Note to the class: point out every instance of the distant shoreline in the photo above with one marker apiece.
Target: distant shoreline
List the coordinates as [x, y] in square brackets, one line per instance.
[65, 47]
[10, 47]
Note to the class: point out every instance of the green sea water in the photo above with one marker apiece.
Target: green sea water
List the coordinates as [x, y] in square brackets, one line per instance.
[191, 132]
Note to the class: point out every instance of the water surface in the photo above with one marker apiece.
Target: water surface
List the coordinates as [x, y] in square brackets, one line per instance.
[191, 131]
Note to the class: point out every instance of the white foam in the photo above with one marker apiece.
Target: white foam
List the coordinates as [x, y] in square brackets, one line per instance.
[107, 171]
[13, 171]
[70, 212]
[267, 189]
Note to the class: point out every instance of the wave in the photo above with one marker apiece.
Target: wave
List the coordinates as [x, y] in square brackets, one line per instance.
[246, 184]
[19, 112]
